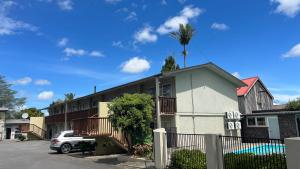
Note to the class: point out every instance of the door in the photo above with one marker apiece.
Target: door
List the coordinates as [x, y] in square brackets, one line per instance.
[298, 124]
[274, 132]
[8, 133]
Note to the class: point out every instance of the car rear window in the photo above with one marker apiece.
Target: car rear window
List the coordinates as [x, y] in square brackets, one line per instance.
[56, 135]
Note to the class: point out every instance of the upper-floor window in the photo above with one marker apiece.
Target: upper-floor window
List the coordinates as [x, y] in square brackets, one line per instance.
[164, 90]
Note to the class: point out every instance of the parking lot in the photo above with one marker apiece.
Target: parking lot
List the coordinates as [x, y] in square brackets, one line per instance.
[36, 155]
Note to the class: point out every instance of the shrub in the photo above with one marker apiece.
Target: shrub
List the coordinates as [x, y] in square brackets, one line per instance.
[250, 161]
[21, 137]
[132, 113]
[86, 146]
[188, 159]
[142, 150]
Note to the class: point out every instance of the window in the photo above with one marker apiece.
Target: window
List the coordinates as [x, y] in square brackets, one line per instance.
[69, 135]
[256, 122]
[261, 121]
[251, 121]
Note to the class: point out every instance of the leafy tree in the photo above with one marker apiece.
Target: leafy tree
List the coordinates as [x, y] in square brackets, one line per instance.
[32, 112]
[294, 104]
[170, 65]
[69, 96]
[8, 99]
[184, 35]
[132, 113]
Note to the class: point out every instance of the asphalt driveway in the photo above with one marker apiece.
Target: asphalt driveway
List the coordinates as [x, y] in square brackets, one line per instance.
[36, 155]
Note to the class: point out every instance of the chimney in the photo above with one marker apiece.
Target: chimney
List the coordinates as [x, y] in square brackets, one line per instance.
[95, 89]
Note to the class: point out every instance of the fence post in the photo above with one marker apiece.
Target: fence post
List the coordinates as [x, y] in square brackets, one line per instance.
[292, 152]
[214, 151]
[160, 148]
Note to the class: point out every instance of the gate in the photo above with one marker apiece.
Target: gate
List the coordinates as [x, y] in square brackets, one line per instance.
[253, 153]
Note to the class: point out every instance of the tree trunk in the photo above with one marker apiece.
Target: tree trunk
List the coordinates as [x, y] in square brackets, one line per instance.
[184, 55]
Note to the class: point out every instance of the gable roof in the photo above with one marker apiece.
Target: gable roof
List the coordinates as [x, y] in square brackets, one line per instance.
[213, 67]
[243, 91]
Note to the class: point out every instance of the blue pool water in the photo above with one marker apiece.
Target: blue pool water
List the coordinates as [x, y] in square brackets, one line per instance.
[262, 149]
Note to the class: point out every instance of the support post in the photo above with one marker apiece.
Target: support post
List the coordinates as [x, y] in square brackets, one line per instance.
[160, 148]
[66, 110]
[214, 151]
[158, 125]
[292, 152]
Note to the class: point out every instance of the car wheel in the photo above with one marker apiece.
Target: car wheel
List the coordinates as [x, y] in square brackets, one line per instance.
[65, 148]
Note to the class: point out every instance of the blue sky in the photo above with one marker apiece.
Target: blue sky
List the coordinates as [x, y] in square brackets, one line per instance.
[51, 47]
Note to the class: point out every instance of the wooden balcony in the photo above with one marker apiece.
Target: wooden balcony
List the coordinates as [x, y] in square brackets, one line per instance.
[167, 105]
[60, 118]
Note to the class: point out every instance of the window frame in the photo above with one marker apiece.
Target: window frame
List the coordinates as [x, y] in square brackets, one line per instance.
[256, 122]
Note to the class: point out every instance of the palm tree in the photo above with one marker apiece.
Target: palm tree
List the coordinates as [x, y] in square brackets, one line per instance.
[184, 35]
[69, 96]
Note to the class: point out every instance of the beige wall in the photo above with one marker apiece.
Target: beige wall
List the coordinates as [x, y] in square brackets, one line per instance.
[206, 96]
[103, 109]
[38, 121]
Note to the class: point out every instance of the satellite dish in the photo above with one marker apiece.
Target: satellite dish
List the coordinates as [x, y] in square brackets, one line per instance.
[25, 115]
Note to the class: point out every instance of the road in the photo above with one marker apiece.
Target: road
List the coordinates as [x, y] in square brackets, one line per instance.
[36, 155]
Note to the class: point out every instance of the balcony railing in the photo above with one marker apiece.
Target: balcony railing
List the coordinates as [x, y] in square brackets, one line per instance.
[60, 118]
[167, 105]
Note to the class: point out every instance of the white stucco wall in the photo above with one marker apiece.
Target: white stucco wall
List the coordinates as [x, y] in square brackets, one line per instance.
[206, 96]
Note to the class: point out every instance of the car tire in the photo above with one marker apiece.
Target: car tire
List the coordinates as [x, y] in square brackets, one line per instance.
[65, 148]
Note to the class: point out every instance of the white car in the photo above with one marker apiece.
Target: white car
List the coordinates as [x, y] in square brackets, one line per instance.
[66, 142]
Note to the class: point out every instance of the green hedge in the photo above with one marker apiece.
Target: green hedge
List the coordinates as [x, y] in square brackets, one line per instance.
[188, 159]
[195, 159]
[250, 161]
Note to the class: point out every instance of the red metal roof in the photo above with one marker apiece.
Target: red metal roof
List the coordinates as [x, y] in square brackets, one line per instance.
[250, 83]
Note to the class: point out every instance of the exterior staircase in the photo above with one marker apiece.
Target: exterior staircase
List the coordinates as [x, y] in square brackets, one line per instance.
[99, 127]
[34, 132]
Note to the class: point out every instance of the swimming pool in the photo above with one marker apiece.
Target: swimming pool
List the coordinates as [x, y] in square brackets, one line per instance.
[262, 149]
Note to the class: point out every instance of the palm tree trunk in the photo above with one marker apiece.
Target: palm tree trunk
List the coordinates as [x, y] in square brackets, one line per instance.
[184, 55]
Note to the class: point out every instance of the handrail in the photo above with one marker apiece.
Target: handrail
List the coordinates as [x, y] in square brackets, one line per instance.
[98, 126]
[37, 130]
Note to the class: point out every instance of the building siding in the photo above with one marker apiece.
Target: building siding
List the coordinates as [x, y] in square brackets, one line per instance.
[287, 125]
[257, 99]
[203, 97]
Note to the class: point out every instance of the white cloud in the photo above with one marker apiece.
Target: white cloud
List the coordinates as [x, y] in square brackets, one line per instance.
[219, 26]
[96, 54]
[172, 24]
[135, 65]
[284, 98]
[132, 16]
[42, 82]
[45, 95]
[287, 7]
[71, 52]
[74, 52]
[236, 74]
[145, 35]
[63, 42]
[112, 1]
[65, 5]
[10, 26]
[118, 44]
[23, 81]
[164, 2]
[294, 52]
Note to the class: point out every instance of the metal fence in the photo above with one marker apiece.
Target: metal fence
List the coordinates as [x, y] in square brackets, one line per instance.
[253, 153]
[188, 149]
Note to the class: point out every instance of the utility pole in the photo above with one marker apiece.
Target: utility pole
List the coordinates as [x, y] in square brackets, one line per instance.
[66, 110]
[158, 125]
